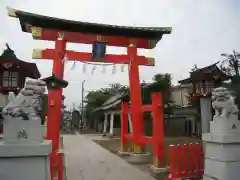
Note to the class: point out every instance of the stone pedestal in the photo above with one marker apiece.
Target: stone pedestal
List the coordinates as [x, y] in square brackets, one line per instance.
[159, 173]
[222, 144]
[26, 162]
[23, 152]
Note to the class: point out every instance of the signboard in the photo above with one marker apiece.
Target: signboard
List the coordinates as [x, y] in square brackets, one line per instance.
[98, 51]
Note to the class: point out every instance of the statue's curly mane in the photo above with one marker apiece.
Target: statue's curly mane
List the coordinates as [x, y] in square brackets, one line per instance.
[28, 102]
[223, 102]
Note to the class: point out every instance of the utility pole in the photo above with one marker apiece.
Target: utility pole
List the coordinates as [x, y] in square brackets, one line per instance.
[82, 110]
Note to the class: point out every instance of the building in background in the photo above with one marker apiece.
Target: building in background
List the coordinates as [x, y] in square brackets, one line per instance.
[179, 94]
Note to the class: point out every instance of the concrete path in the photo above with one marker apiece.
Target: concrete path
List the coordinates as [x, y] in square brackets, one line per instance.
[86, 160]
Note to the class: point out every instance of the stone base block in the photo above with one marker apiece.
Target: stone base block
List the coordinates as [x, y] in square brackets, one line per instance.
[221, 138]
[25, 161]
[124, 153]
[222, 152]
[142, 158]
[25, 150]
[221, 170]
[159, 173]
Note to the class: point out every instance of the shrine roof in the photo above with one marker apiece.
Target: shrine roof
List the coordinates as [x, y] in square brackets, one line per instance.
[26, 19]
[213, 68]
[8, 55]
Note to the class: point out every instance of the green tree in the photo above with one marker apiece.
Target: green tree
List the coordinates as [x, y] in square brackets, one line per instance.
[164, 79]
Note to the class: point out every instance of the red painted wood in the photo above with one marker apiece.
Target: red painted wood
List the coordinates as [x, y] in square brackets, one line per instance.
[135, 95]
[192, 157]
[86, 38]
[158, 127]
[147, 108]
[60, 165]
[185, 159]
[87, 57]
[129, 136]
[55, 104]
[172, 161]
[179, 161]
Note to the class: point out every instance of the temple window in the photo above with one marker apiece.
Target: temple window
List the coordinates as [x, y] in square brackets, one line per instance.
[209, 86]
[197, 88]
[202, 87]
[10, 79]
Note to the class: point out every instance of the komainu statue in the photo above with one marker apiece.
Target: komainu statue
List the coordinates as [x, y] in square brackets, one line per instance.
[223, 102]
[27, 104]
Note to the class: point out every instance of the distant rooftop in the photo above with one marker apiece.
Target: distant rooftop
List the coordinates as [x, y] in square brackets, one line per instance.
[28, 67]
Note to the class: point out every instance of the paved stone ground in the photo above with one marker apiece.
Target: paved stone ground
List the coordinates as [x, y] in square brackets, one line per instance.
[86, 160]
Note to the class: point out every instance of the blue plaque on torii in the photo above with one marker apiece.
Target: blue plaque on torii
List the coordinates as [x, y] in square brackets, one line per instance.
[98, 50]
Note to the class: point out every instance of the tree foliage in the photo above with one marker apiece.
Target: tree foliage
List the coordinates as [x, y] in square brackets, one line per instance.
[164, 79]
[231, 64]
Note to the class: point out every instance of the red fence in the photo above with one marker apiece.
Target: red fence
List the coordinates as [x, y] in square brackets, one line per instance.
[186, 161]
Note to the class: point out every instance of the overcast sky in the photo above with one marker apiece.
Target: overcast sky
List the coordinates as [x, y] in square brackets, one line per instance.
[202, 30]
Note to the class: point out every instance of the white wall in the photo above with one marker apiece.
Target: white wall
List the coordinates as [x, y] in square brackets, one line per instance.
[180, 93]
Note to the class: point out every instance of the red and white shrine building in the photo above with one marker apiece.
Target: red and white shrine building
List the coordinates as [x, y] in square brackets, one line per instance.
[13, 73]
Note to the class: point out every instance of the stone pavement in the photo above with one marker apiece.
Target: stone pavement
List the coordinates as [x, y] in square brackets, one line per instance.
[86, 160]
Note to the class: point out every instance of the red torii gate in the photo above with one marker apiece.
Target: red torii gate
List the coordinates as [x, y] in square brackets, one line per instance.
[62, 31]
